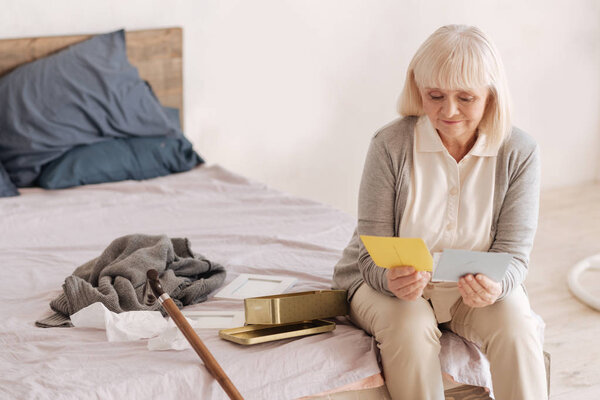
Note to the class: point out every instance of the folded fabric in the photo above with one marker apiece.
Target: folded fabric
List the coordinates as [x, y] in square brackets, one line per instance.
[117, 277]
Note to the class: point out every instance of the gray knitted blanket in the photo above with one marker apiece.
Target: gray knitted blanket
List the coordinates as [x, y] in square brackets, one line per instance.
[117, 277]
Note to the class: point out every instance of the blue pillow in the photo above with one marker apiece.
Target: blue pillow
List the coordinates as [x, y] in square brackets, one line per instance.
[7, 188]
[82, 95]
[119, 159]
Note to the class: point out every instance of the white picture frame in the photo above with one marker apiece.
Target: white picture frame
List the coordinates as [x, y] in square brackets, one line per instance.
[215, 319]
[255, 285]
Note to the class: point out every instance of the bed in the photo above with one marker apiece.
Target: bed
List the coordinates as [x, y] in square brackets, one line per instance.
[46, 234]
[230, 219]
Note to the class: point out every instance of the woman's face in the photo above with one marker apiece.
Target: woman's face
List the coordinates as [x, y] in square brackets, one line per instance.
[455, 114]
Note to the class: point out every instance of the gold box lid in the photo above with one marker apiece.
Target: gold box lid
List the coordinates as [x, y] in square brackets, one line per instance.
[254, 334]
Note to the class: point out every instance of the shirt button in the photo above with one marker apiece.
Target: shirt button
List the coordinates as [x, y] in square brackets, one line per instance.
[453, 191]
[449, 227]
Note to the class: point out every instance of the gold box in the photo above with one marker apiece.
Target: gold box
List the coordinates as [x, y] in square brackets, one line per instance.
[285, 316]
[294, 307]
[254, 334]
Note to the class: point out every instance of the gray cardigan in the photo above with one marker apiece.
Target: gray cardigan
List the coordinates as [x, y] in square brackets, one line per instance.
[383, 194]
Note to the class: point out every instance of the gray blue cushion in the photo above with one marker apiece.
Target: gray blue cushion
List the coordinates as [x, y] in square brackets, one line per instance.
[82, 95]
[7, 188]
[119, 159]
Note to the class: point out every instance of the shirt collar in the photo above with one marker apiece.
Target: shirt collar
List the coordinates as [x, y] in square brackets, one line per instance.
[428, 141]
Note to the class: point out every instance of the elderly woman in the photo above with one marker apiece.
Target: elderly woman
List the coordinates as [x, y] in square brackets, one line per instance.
[454, 172]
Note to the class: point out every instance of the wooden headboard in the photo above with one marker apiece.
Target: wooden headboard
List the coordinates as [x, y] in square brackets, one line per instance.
[157, 54]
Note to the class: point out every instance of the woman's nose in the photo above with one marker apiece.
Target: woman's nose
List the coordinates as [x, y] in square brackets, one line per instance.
[449, 108]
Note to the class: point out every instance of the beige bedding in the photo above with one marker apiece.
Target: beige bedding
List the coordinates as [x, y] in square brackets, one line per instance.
[241, 224]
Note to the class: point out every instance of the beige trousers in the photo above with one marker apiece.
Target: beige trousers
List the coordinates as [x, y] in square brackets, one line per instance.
[408, 337]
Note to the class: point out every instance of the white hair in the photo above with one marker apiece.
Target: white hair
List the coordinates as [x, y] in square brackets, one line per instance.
[460, 57]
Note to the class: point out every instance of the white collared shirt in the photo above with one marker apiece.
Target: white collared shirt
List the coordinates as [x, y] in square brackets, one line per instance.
[450, 204]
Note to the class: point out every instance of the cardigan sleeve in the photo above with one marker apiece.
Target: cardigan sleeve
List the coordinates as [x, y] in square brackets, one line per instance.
[518, 217]
[376, 201]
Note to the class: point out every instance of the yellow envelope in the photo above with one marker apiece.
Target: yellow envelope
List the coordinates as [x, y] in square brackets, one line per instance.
[389, 252]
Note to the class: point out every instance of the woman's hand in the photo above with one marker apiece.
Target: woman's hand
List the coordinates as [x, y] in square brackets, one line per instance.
[406, 283]
[479, 290]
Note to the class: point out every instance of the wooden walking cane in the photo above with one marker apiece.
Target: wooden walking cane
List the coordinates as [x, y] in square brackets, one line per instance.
[153, 291]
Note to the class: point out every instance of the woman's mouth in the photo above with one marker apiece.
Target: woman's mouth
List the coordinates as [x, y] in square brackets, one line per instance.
[449, 122]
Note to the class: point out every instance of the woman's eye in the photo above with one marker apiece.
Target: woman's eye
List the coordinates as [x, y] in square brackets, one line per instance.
[435, 97]
[467, 99]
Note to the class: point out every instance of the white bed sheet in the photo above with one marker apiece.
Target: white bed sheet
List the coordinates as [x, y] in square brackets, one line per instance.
[242, 224]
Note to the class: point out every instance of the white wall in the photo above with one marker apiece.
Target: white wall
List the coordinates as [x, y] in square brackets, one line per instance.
[598, 66]
[290, 92]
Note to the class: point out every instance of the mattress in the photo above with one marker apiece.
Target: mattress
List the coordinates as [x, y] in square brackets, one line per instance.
[242, 224]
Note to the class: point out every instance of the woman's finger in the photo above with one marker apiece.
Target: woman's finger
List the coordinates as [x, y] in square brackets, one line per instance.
[405, 281]
[476, 286]
[469, 300]
[401, 271]
[415, 294]
[408, 289]
[398, 284]
[466, 296]
[490, 285]
[478, 295]
[473, 290]
[403, 290]
[488, 292]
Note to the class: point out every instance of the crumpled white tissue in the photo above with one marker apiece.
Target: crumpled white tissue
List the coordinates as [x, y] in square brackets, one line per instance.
[134, 325]
[170, 338]
[126, 326]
